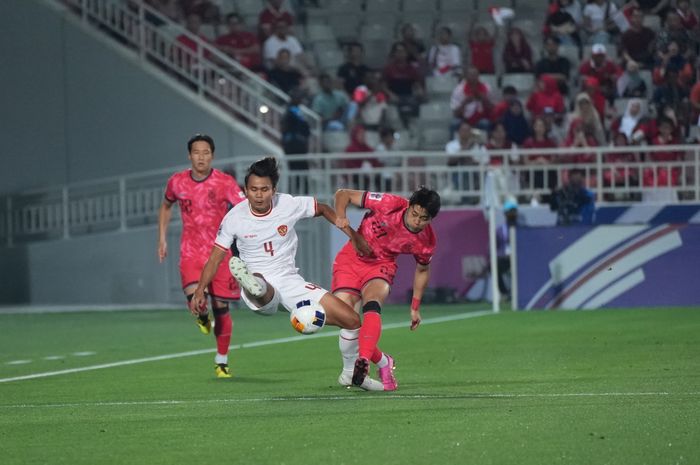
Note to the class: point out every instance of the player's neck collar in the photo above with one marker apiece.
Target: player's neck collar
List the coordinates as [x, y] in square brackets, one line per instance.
[259, 215]
[211, 170]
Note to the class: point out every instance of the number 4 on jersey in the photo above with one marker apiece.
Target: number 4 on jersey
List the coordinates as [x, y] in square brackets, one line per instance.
[268, 248]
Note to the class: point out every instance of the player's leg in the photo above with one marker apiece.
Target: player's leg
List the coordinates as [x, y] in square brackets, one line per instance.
[202, 319]
[254, 285]
[373, 295]
[190, 270]
[347, 339]
[223, 289]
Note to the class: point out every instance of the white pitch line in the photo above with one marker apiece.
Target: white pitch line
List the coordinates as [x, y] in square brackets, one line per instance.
[362, 398]
[461, 316]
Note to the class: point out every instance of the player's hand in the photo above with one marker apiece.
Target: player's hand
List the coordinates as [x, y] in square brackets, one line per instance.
[162, 251]
[198, 302]
[361, 246]
[341, 223]
[415, 319]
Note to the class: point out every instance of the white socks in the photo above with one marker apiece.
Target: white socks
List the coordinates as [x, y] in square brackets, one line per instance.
[349, 347]
[221, 359]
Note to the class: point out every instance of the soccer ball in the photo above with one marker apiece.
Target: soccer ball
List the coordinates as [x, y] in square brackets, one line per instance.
[308, 317]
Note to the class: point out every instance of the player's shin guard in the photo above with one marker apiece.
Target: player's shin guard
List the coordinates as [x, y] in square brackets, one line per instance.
[223, 326]
[347, 342]
[371, 328]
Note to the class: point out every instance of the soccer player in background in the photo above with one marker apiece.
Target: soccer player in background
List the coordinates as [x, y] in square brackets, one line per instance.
[392, 226]
[204, 195]
[263, 230]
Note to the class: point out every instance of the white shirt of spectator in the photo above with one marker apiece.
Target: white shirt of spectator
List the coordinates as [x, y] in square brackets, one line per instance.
[596, 13]
[478, 152]
[274, 44]
[266, 243]
[444, 57]
[458, 97]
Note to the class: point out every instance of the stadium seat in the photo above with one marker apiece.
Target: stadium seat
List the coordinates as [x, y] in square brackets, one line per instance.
[249, 7]
[456, 5]
[440, 85]
[329, 60]
[646, 77]
[420, 5]
[345, 26]
[523, 82]
[383, 6]
[458, 27]
[376, 52]
[436, 111]
[343, 6]
[335, 141]
[208, 31]
[653, 22]
[226, 7]
[319, 32]
[375, 31]
[490, 80]
[434, 138]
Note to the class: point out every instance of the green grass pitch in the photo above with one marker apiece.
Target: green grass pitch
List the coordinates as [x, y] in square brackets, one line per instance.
[549, 387]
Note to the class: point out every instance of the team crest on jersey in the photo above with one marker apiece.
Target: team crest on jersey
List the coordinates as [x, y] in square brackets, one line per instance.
[376, 195]
[282, 230]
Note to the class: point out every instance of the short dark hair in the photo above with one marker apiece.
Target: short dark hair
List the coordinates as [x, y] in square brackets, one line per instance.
[426, 198]
[265, 168]
[510, 90]
[200, 137]
[234, 15]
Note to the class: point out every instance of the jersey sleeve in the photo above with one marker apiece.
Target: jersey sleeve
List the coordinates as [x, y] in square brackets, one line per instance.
[305, 207]
[226, 233]
[234, 194]
[170, 190]
[381, 202]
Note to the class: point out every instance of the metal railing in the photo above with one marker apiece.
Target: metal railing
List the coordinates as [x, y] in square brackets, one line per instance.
[132, 201]
[204, 69]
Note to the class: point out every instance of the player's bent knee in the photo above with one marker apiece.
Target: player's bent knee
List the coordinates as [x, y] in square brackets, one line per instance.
[219, 311]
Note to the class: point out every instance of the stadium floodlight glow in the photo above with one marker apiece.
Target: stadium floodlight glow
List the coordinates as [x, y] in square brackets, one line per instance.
[263, 109]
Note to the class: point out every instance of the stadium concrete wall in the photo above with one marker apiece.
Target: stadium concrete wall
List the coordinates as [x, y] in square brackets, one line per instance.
[77, 105]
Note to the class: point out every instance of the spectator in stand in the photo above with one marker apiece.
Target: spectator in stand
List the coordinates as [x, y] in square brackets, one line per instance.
[514, 122]
[584, 126]
[616, 176]
[283, 39]
[508, 94]
[283, 75]
[517, 54]
[673, 31]
[331, 105]
[573, 202]
[694, 99]
[674, 96]
[688, 16]
[205, 9]
[352, 73]
[169, 8]
[188, 61]
[387, 141]
[295, 135]
[470, 100]
[634, 124]
[404, 83]
[541, 140]
[598, 21]
[663, 176]
[273, 13]
[498, 140]
[481, 45]
[239, 44]
[358, 144]
[369, 103]
[652, 7]
[630, 83]
[466, 140]
[673, 60]
[564, 19]
[554, 65]
[415, 49]
[591, 87]
[546, 97]
[638, 42]
[444, 57]
[603, 69]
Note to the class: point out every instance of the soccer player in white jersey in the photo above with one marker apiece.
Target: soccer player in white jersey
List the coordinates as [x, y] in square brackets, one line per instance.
[262, 227]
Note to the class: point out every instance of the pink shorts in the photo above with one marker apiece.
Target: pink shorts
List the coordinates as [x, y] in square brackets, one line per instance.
[350, 273]
[222, 287]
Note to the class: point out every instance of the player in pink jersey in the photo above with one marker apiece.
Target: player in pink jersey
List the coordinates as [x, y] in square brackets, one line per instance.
[392, 226]
[204, 195]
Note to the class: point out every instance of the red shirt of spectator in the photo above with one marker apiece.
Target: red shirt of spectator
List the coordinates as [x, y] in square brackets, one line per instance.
[240, 44]
[599, 67]
[481, 46]
[689, 19]
[662, 173]
[546, 98]
[272, 13]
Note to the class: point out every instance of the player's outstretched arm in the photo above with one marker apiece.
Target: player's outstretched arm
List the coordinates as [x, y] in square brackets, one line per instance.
[343, 198]
[358, 242]
[420, 283]
[164, 214]
[199, 300]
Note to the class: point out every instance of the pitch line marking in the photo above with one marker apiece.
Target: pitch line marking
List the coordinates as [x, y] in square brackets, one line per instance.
[362, 398]
[248, 345]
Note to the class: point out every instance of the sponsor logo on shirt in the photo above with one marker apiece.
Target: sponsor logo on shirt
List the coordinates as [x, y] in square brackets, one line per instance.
[376, 195]
[250, 236]
[282, 230]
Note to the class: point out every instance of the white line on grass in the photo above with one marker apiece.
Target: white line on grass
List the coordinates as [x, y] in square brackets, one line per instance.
[363, 398]
[443, 319]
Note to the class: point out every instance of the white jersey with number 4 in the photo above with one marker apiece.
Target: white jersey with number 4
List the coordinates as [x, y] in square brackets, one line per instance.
[267, 242]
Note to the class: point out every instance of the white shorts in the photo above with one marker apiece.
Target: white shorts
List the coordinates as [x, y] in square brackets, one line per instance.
[289, 290]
